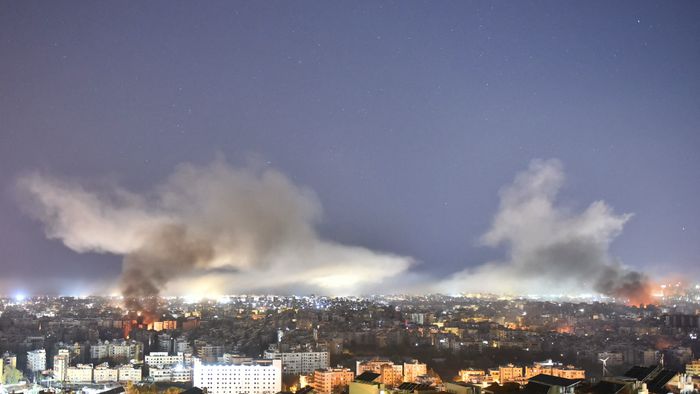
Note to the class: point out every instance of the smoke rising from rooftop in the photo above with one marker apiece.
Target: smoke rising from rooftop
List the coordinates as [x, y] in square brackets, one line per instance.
[212, 228]
[551, 248]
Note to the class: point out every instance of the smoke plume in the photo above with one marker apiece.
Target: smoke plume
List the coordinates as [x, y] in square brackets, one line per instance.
[550, 248]
[207, 229]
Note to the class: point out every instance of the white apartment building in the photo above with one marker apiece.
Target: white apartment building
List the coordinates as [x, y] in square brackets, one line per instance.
[294, 363]
[248, 377]
[36, 360]
[126, 350]
[103, 374]
[180, 374]
[177, 373]
[61, 362]
[162, 359]
[182, 345]
[230, 358]
[99, 350]
[159, 374]
[81, 373]
[117, 349]
[130, 373]
[210, 353]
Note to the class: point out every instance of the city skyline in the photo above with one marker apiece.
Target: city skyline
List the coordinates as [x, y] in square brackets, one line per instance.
[389, 147]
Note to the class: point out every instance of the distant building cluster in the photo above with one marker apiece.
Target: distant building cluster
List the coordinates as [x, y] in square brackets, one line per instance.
[518, 374]
[378, 345]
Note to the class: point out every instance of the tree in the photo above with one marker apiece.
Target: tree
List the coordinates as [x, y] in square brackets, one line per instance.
[11, 375]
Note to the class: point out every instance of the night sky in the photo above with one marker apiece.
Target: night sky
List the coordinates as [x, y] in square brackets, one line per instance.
[404, 118]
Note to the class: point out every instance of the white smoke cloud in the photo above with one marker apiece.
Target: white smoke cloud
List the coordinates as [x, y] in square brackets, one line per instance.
[212, 228]
[219, 229]
[550, 249]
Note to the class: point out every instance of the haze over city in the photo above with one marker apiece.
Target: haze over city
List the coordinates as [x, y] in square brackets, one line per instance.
[348, 149]
[349, 197]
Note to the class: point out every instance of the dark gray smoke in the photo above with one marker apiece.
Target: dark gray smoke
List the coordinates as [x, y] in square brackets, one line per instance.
[632, 286]
[207, 230]
[165, 254]
[552, 249]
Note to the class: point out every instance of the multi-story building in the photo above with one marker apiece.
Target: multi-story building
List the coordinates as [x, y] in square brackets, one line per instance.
[81, 373]
[126, 350]
[130, 373]
[181, 374]
[9, 359]
[549, 367]
[182, 345]
[412, 370]
[693, 368]
[61, 362]
[177, 373]
[390, 374]
[510, 373]
[120, 350]
[294, 363]
[36, 360]
[472, 375]
[569, 372]
[99, 351]
[250, 377]
[103, 374]
[162, 359]
[159, 374]
[230, 358]
[165, 343]
[325, 381]
[209, 353]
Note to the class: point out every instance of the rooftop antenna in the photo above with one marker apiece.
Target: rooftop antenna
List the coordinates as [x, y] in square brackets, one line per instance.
[605, 365]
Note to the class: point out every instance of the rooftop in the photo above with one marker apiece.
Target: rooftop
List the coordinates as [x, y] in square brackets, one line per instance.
[550, 380]
[367, 377]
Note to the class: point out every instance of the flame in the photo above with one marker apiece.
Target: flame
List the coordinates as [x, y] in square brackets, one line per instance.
[137, 319]
[642, 296]
[567, 329]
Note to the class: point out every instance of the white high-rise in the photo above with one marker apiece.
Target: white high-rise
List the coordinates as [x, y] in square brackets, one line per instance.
[247, 377]
[61, 362]
[295, 363]
[162, 359]
[36, 360]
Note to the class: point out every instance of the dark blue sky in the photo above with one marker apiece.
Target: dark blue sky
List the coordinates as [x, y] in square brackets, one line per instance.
[404, 117]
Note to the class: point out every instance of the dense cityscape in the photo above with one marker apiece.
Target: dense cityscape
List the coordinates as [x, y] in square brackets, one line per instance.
[259, 344]
[349, 197]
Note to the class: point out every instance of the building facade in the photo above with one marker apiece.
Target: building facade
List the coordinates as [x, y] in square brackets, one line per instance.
[327, 380]
[163, 359]
[391, 375]
[251, 377]
[412, 370]
[81, 373]
[61, 362]
[294, 363]
[36, 360]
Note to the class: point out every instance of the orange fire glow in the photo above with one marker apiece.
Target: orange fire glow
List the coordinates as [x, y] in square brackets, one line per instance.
[644, 296]
[565, 329]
